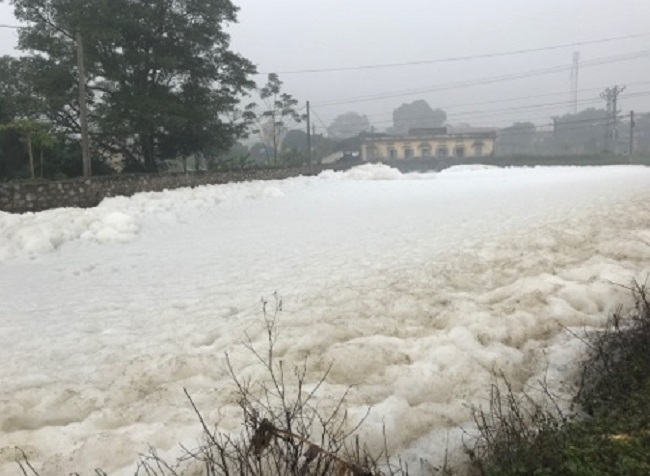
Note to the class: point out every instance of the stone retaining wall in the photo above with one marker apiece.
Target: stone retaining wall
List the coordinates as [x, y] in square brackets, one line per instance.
[36, 196]
[43, 195]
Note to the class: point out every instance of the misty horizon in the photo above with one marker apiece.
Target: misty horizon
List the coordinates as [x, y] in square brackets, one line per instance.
[335, 35]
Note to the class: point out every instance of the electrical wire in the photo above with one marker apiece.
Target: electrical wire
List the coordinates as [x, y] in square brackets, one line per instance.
[485, 80]
[313, 111]
[460, 58]
[562, 126]
[511, 99]
[510, 111]
[491, 113]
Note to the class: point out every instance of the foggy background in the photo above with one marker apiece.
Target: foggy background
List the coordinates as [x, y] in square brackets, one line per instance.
[420, 289]
[295, 35]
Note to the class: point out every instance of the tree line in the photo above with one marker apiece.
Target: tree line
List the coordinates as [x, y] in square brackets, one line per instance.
[162, 84]
[164, 87]
[588, 132]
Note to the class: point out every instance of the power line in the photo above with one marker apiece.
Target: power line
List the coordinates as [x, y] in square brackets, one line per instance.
[483, 114]
[586, 122]
[561, 119]
[480, 115]
[486, 80]
[496, 112]
[540, 106]
[509, 99]
[460, 58]
[508, 111]
[561, 126]
[491, 113]
[319, 119]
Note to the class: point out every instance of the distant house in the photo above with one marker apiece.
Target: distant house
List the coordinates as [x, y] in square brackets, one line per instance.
[428, 143]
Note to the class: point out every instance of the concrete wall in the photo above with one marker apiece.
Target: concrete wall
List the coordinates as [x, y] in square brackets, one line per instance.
[36, 196]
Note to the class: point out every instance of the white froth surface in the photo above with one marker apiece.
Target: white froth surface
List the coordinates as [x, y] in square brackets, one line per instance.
[416, 288]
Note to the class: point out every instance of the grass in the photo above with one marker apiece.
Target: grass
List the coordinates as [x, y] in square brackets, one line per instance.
[610, 435]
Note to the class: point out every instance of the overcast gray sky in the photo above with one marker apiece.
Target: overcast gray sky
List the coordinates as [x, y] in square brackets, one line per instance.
[289, 35]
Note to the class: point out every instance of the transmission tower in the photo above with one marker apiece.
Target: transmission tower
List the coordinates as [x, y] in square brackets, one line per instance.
[575, 73]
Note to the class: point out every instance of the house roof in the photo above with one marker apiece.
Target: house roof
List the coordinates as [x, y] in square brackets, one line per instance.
[437, 136]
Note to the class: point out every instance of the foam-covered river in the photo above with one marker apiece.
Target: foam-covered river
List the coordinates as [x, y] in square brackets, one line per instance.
[416, 288]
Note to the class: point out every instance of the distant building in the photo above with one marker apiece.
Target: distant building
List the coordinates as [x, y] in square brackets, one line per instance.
[428, 143]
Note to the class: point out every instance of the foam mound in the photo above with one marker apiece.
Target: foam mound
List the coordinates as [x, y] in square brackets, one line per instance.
[364, 172]
[456, 169]
[117, 219]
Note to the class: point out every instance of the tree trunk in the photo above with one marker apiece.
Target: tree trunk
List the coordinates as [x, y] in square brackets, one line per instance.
[41, 161]
[30, 151]
[147, 143]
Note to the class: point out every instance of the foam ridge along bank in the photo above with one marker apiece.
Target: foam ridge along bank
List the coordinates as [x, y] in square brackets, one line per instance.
[24, 197]
[34, 196]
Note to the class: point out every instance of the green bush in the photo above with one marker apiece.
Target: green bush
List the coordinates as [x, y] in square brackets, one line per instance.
[611, 434]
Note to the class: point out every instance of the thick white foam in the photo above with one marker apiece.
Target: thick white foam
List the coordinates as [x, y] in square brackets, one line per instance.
[417, 292]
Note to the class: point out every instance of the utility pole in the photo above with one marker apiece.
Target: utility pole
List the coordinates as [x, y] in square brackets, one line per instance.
[308, 134]
[632, 127]
[611, 96]
[83, 107]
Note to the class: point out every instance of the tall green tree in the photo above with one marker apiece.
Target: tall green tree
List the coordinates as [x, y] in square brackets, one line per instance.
[21, 118]
[32, 133]
[517, 139]
[582, 133]
[10, 150]
[31, 144]
[280, 108]
[162, 80]
[643, 134]
[348, 125]
[295, 143]
[417, 114]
